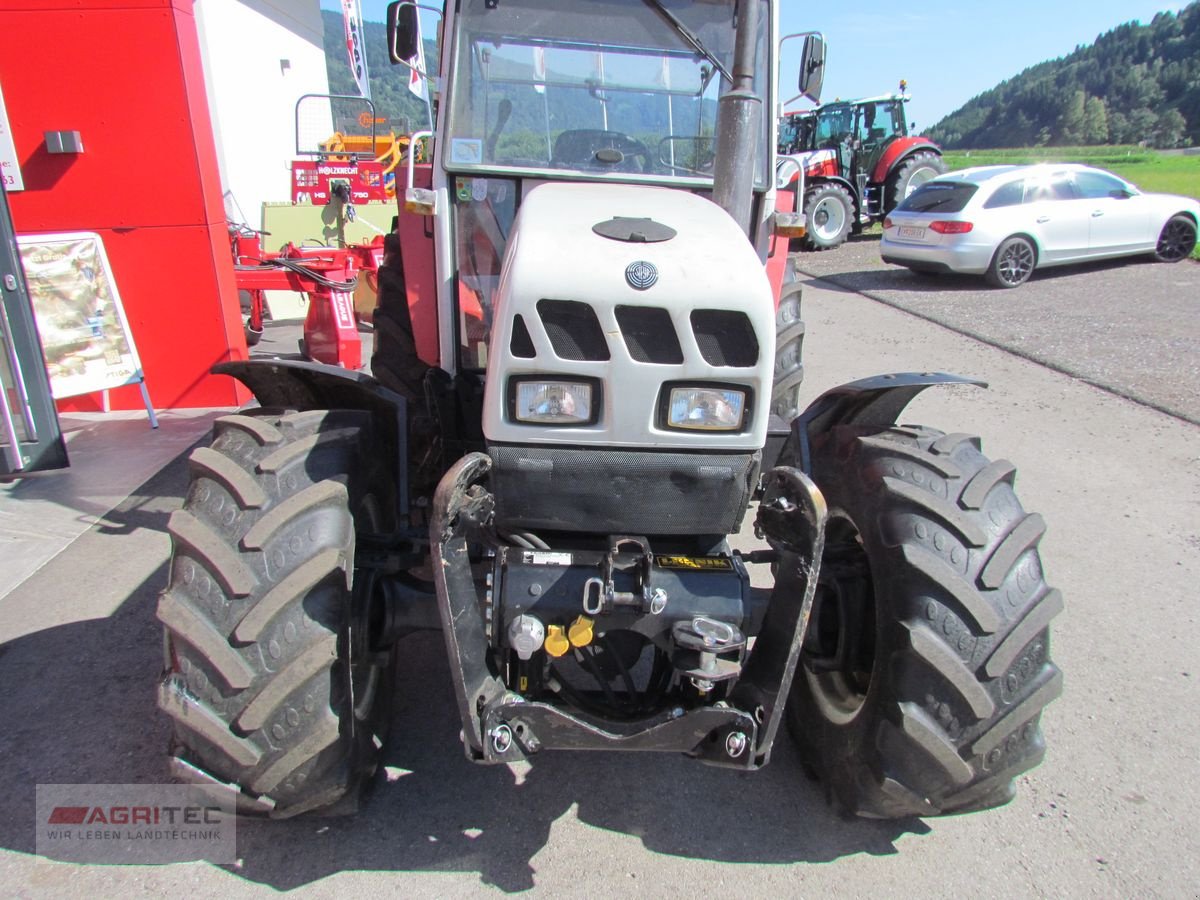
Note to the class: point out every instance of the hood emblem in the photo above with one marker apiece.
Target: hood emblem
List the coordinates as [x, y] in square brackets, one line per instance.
[641, 275]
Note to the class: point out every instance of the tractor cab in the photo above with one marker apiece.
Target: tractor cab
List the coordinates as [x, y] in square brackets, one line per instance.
[537, 92]
[877, 122]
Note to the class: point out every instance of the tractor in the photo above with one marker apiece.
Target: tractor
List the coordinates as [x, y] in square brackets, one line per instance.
[585, 395]
[849, 163]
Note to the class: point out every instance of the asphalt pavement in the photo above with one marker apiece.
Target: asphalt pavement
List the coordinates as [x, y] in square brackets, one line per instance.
[1131, 326]
[1111, 812]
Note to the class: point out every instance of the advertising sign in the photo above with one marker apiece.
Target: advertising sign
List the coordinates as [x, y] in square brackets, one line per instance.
[10, 170]
[85, 336]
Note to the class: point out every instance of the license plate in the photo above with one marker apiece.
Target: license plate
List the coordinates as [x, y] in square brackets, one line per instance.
[910, 231]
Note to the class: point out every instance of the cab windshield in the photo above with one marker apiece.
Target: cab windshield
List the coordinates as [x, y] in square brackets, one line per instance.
[601, 88]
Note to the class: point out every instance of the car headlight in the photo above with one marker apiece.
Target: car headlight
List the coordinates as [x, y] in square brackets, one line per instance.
[706, 408]
[552, 402]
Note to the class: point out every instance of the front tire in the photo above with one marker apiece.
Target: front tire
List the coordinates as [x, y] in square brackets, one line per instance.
[828, 213]
[1177, 239]
[272, 680]
[1013, 263]
[789, 348]
[926, 663]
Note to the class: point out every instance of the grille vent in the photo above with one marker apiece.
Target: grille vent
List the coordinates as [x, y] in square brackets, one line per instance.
[725, 337]
[521, 344]
[649, 335]
[574, 330]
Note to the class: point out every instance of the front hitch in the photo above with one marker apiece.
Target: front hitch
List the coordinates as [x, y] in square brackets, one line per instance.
[500, 725]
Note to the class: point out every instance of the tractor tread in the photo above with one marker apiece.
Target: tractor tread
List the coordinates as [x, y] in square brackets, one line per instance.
[940, 573]
[186, 623]
[199, 540]
[904, 800]
[297, 583]
[1034, 623]
[920, 728]
[191, 714]
[1049, 688]
[1023, 537]
[933, 650]
[218, 467]
[183, 771]
[320, 494]
[317, 658]
[319, 739]
[969, 531]
[976, 492]
[947, 468]
[948, 443]
[281, 458]
[263, 432]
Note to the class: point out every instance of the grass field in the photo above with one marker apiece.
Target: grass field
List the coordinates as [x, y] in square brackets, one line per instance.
[1149, 170]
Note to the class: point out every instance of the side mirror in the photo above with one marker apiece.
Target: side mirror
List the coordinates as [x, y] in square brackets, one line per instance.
[812, 67]
[402, 31]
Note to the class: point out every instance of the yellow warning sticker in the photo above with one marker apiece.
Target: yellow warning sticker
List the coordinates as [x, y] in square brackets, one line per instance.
[702, 563]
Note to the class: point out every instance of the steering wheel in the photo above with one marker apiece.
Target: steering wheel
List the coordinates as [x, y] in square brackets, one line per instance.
[599, 149]
[630, 149]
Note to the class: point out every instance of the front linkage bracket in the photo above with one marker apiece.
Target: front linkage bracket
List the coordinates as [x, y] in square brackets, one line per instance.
[501, 726]
[460, 511]
[791, 517]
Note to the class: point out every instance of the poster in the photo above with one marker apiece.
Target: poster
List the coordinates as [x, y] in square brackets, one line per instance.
[10, 169]
[85, 336]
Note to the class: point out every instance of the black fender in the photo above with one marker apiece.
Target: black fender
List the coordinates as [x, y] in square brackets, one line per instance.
[818, 180]
[874, 402]
[300, 385]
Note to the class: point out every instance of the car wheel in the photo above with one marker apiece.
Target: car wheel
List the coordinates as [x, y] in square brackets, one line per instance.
[828, 211]
[1013, 263]
[1177, 240]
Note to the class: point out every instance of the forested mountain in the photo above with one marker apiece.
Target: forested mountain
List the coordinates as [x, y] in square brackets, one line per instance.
[389, 84]
[1135, 84]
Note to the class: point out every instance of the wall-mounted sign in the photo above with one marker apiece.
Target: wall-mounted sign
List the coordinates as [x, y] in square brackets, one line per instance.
[10, 169]
[85, 336]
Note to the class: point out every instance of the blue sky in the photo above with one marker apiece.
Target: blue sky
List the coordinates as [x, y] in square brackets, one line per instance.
[947, 51]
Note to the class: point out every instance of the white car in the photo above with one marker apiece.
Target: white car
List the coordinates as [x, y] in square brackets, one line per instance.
[1003, 222]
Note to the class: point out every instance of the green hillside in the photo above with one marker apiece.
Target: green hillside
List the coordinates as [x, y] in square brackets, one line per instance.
[1137, 84]
[389, 84]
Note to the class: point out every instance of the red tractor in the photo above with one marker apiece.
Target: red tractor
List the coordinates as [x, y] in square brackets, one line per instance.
[850, 162]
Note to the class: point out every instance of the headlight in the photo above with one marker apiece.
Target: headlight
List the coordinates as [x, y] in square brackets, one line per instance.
[544, 402]
[706, 408]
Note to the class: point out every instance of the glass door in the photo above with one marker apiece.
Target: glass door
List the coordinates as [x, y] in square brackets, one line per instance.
[30, 439]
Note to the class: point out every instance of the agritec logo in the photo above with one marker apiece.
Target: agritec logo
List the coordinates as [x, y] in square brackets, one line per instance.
[135, 823]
